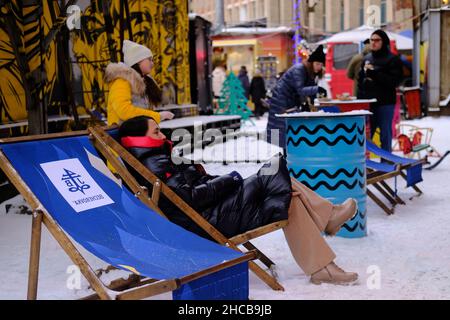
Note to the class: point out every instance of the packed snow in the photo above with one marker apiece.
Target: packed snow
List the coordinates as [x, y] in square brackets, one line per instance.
[404, 256]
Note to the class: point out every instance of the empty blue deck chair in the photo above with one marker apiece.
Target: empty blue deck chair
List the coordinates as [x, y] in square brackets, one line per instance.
[70, 188]
[413, 167]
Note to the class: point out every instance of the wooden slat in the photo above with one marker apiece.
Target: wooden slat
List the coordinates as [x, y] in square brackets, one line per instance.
[149, 290]
[35, 249]
[380, 203]
[255, 233]
[246, 257]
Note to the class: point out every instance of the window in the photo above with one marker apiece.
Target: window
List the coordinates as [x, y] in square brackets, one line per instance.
[383, 11]
[243, 13]
[343, 53]
[252, 10]
[361, 12]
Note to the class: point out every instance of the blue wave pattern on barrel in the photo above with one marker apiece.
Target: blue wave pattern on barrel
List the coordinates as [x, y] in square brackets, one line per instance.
[327, 154]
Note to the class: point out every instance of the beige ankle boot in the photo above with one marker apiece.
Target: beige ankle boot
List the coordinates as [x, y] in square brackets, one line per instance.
[341, 213]
[334, 275]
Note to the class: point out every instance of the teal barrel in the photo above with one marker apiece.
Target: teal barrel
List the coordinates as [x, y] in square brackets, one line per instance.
[326, 152]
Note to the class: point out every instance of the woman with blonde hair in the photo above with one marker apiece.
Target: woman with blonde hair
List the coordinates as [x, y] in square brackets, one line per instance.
[132, 90]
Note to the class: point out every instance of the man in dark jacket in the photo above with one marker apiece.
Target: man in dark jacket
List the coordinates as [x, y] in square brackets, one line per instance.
[296, 84]
[243, 77]
[381, 73]
[258, 92]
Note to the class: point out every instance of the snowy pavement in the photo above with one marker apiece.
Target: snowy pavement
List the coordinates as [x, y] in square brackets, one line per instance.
[404, 256]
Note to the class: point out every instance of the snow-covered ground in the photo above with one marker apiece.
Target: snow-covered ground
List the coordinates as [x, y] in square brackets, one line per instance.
[404, 256]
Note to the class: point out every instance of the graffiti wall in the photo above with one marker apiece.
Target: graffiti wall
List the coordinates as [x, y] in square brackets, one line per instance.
[37, 48]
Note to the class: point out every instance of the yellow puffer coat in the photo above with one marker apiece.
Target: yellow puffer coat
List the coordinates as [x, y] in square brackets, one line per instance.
[126, 98]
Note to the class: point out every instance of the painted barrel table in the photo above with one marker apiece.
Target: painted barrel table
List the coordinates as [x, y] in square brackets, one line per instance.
[326, 152]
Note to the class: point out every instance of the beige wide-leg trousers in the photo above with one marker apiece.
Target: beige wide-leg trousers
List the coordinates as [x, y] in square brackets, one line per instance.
[309, 214]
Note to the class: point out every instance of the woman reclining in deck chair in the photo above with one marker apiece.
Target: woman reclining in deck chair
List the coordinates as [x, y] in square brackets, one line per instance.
[234, 205]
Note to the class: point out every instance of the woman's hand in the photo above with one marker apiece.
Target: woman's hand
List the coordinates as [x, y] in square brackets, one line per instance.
[166, 115]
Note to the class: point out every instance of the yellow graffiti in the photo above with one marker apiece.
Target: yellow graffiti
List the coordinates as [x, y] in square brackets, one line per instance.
[161, 25]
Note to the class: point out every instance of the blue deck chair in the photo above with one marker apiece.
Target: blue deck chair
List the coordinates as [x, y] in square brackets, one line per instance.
[412, 167]
[73, 193]
[117, 156]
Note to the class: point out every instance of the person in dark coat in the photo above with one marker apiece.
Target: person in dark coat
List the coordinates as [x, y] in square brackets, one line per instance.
[292, 90]
[234, 205]
[380, 75]
[243, 77]
[258, 92]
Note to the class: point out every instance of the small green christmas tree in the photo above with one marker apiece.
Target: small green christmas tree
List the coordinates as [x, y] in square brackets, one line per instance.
[232, 99]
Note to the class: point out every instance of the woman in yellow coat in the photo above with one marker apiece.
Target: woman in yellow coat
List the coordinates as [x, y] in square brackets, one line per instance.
[132, 91]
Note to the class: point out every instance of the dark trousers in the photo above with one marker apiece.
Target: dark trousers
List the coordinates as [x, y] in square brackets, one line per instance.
[259, 109]
[382, 118]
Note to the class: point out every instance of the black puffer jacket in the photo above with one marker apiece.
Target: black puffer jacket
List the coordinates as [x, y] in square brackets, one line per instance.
[231, 206]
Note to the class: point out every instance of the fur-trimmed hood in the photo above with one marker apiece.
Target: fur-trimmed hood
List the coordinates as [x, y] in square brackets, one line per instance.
[120, 70]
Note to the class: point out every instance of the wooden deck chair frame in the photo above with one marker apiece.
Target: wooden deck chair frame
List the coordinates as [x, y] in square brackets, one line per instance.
[135, 287]
[106, 144]
[378, 181]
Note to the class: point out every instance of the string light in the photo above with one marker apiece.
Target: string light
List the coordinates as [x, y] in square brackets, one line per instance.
[300, 47]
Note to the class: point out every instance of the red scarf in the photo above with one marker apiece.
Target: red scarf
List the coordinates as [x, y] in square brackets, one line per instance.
[144, 142]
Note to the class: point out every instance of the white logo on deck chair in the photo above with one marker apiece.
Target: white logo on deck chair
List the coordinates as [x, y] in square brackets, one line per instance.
[75, 184]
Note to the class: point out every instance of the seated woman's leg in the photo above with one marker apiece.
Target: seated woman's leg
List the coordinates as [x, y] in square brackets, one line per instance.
[303, 235]
[309, 216]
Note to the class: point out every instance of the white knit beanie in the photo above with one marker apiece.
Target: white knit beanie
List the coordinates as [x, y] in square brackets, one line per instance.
[134, 52]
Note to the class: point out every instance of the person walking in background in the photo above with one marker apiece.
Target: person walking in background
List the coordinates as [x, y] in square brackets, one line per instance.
[243, 76]
[293, 88]
[257, 93]
[380, 75]
[132, 90]
[219, 75]
[355, 65]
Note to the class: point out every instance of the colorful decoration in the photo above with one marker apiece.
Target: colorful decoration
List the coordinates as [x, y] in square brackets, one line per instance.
[298, 56]
[232, 99]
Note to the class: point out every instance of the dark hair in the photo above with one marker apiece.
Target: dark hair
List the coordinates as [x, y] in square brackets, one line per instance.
[134, 127]
[310, 69]
[152, 90]
[367, 41]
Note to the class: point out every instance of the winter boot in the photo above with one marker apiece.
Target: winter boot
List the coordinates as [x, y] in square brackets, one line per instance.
[334, 275]
[341, 213]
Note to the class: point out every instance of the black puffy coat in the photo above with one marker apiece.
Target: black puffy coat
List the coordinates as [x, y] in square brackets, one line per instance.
[380, 83]
[291, 90]
[232, 207]
[257, 89]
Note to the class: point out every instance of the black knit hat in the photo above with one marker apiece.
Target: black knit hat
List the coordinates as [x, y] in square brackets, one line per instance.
[317, 55]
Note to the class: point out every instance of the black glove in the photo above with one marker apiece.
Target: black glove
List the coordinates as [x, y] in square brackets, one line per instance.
[322, 92]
